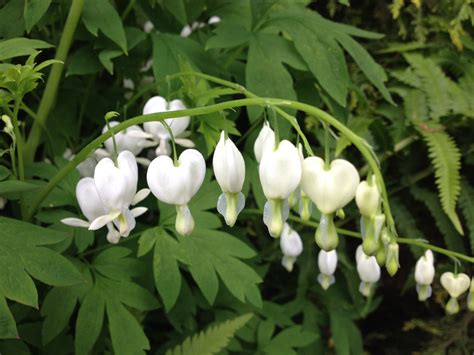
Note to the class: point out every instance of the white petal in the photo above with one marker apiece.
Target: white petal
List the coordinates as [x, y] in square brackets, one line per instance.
[367, 267]
[187, 143]
[128, 167]
[140, 196]
[112, 186]
[88, 198]
[265, 141]
[229, 166]
[327, 262]
[290, 242]
[75, 222]
[101, 221]
[138, 211]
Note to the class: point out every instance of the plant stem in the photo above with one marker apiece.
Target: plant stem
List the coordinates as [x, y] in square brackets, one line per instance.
[18, 139]
[327, 151]
[49, 95]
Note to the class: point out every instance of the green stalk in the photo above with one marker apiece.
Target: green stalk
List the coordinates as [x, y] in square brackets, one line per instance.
[49, 95]
[18, 139]
[327, 153]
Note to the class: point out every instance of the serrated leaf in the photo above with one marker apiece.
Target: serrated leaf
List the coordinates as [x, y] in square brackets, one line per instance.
[101, 15]
[212, 340]
[34, 10]
[446, 159]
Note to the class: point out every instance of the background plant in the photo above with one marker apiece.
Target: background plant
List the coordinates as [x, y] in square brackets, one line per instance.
[414, 107]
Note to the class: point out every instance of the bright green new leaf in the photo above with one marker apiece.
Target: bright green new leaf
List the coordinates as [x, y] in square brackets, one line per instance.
[17, 47]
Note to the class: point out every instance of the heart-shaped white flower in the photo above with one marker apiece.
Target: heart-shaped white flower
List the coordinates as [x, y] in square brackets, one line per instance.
[132, 139]
[424, 269]
[177, 125]
[280, 171]
[330, 189]
[456, 285]
[177, 184]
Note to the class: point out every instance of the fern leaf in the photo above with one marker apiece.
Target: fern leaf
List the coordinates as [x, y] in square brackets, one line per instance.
[434, 84]
[451, 238]
[446, 159]
[415, 106]
[466, 201]
[212, 340]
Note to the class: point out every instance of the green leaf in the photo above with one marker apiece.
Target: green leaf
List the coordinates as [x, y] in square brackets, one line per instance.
[319, 49]
[228, 36]
[20, 250]
[346, 335]
[291, 338]
[125, 331]
[265, 74]
[18, 47]
[177, 9]
[89, 321]
[106, 57]
[358, 125]
[212, 340]
[34, 10]
[83, 61]
[446, 159]
[57, 307]
[165, 267]
[16, 186]
[367, 64]
[7, 322]
[4, 173]
[101, 15]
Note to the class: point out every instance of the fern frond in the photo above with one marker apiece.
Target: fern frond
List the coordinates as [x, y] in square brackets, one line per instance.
[407, 76]
[434, 84]
[429, 199]
[415, 106]
[466, 201]
[212, 340]
[446, 159]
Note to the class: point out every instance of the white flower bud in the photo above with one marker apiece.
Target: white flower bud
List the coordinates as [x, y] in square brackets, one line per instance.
[367, 198]
[327, 263]
[424, 269]
[368, 270]
[291, 246]
[330, 189]
[132, 139]
[456, 285]
[265, 141]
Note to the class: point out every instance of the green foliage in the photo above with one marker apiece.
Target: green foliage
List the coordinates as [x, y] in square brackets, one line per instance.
[212, 340]
[446, 160]
[466, 201]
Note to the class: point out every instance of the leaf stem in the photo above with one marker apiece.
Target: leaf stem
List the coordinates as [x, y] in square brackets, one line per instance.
[49, 95]
[18, 139]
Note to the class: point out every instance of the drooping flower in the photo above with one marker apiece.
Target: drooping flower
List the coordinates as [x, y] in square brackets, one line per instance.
[368, 270]
[291, 246]
[392, 264]
[105, 200]
[280, 175]
[367, 197]
[424, 275]
[327, 262]
[229, 169]
[158, 131]
[456, 285]
[265, 141]
[133, 139]
[176, 184]
[330, 190]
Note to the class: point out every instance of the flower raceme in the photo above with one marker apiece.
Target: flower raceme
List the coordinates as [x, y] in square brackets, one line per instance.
[280, 175]
[159, 132]
[291, 246]
[176, 183]
[330, 188]
[106, 198]
[229, 170]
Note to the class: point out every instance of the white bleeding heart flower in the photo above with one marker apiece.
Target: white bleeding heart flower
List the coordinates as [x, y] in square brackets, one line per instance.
[330, 189]
[133, 139]
[265, 141]
[280, 175]
[177, 125]
[456, 285]
[229, 169]
[291, 246]
[367, 197]
[368, 270]
[105, 200]
[327, 263]
[424, 275]
[177, 184]
[214, 20]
